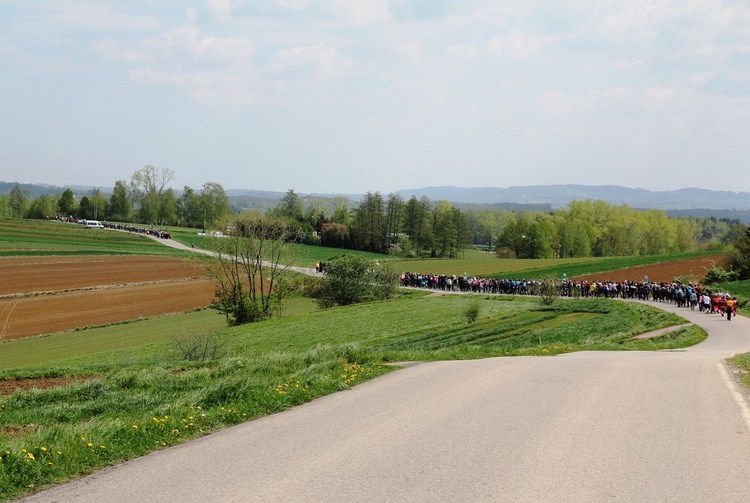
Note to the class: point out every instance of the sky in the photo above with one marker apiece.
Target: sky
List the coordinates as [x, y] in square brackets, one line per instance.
[351, 96]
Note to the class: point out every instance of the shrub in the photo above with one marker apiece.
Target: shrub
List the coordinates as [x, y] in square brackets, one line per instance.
[717, 274]
[200, 346]
[471, 310]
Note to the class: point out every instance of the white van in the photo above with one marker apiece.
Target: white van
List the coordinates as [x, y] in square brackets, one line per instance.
[93, 224]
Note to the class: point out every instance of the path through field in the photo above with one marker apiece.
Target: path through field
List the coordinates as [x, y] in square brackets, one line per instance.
[583, 427]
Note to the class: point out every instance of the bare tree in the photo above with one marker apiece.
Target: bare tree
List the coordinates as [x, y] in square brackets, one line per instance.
[249, 268]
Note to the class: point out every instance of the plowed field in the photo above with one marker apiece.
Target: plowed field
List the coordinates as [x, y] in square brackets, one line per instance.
[40, 295]
[694, 268]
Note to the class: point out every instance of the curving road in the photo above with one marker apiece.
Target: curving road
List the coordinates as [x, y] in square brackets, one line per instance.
[582, 427]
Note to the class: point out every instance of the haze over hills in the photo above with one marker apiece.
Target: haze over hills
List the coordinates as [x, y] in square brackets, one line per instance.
[685, 201]
[560, 195]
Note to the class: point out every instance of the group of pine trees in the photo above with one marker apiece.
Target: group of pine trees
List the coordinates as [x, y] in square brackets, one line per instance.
[420, 227]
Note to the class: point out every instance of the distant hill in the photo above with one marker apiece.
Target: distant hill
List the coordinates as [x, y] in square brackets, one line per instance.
[683, 202]
[560, 195]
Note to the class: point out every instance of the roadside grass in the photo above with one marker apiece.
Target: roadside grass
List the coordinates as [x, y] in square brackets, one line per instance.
[144, 397]
[42, 237]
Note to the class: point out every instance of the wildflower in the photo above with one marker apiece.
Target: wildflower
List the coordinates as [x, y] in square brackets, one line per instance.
[155, 419]
[42, 448]
[30, 485]
[89, 445]
[104, 447]
[31, 456]
[135, 426]
[59, 453]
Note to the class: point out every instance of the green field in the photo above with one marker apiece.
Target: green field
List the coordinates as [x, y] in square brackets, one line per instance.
[136, 392]
[39, 237]
[480, 263]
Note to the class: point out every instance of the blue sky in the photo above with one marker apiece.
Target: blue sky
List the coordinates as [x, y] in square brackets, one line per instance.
[349, 96]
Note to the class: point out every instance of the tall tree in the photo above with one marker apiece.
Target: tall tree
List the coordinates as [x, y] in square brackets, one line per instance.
[394, 211]
[42, 207]
[120, 205]
[99, 204]
[67, 203]
[214, 202]
[167, 208]
[291, 207]
[148, 185]
[19, 199]
[190, 209]
[368, 231]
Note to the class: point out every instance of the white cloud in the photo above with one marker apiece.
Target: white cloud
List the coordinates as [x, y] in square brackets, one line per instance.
[518, 43]
[363, 12]
[701, 79]
[553, 103]
[463, 51]
[292, 5]
[178, 43]
[99, 17]
[311, 61]
[221, 8]
[6, 47]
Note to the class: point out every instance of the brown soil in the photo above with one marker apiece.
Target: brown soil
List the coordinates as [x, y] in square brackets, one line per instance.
[82, 291]
[694, 268]
[44, 274]
[8, 386]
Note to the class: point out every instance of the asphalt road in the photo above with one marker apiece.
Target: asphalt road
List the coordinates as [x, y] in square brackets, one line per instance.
[583, 427]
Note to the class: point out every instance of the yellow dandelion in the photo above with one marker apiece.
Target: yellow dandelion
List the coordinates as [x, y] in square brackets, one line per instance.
[135, 426]
[90, 444]
[103, 447]
[155, 419]
[30, 455]
[43, 449]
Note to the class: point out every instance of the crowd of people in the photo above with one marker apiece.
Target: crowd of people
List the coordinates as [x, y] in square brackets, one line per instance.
[139, 230]
[683, 295]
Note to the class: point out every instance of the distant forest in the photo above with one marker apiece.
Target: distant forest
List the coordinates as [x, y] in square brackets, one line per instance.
[413, 226]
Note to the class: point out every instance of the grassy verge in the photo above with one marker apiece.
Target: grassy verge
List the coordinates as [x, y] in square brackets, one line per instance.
[145, 397]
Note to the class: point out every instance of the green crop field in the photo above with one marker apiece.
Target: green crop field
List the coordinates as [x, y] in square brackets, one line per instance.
[480, 263]
[40, 237]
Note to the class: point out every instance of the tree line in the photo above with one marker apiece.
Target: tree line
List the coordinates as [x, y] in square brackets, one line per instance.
[420, 227]
[389, 224]
[144, 199]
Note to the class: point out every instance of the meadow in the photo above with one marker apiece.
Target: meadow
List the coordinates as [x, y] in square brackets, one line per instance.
[125, 389]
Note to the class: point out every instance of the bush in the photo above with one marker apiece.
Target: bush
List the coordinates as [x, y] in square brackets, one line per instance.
[471, 310]
[200, 347]
[717, 274]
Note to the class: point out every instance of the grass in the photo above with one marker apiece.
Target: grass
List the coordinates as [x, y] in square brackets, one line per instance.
[140, 395]
[41, 237]
[143, 397]
[480, 263]
[301, 255]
